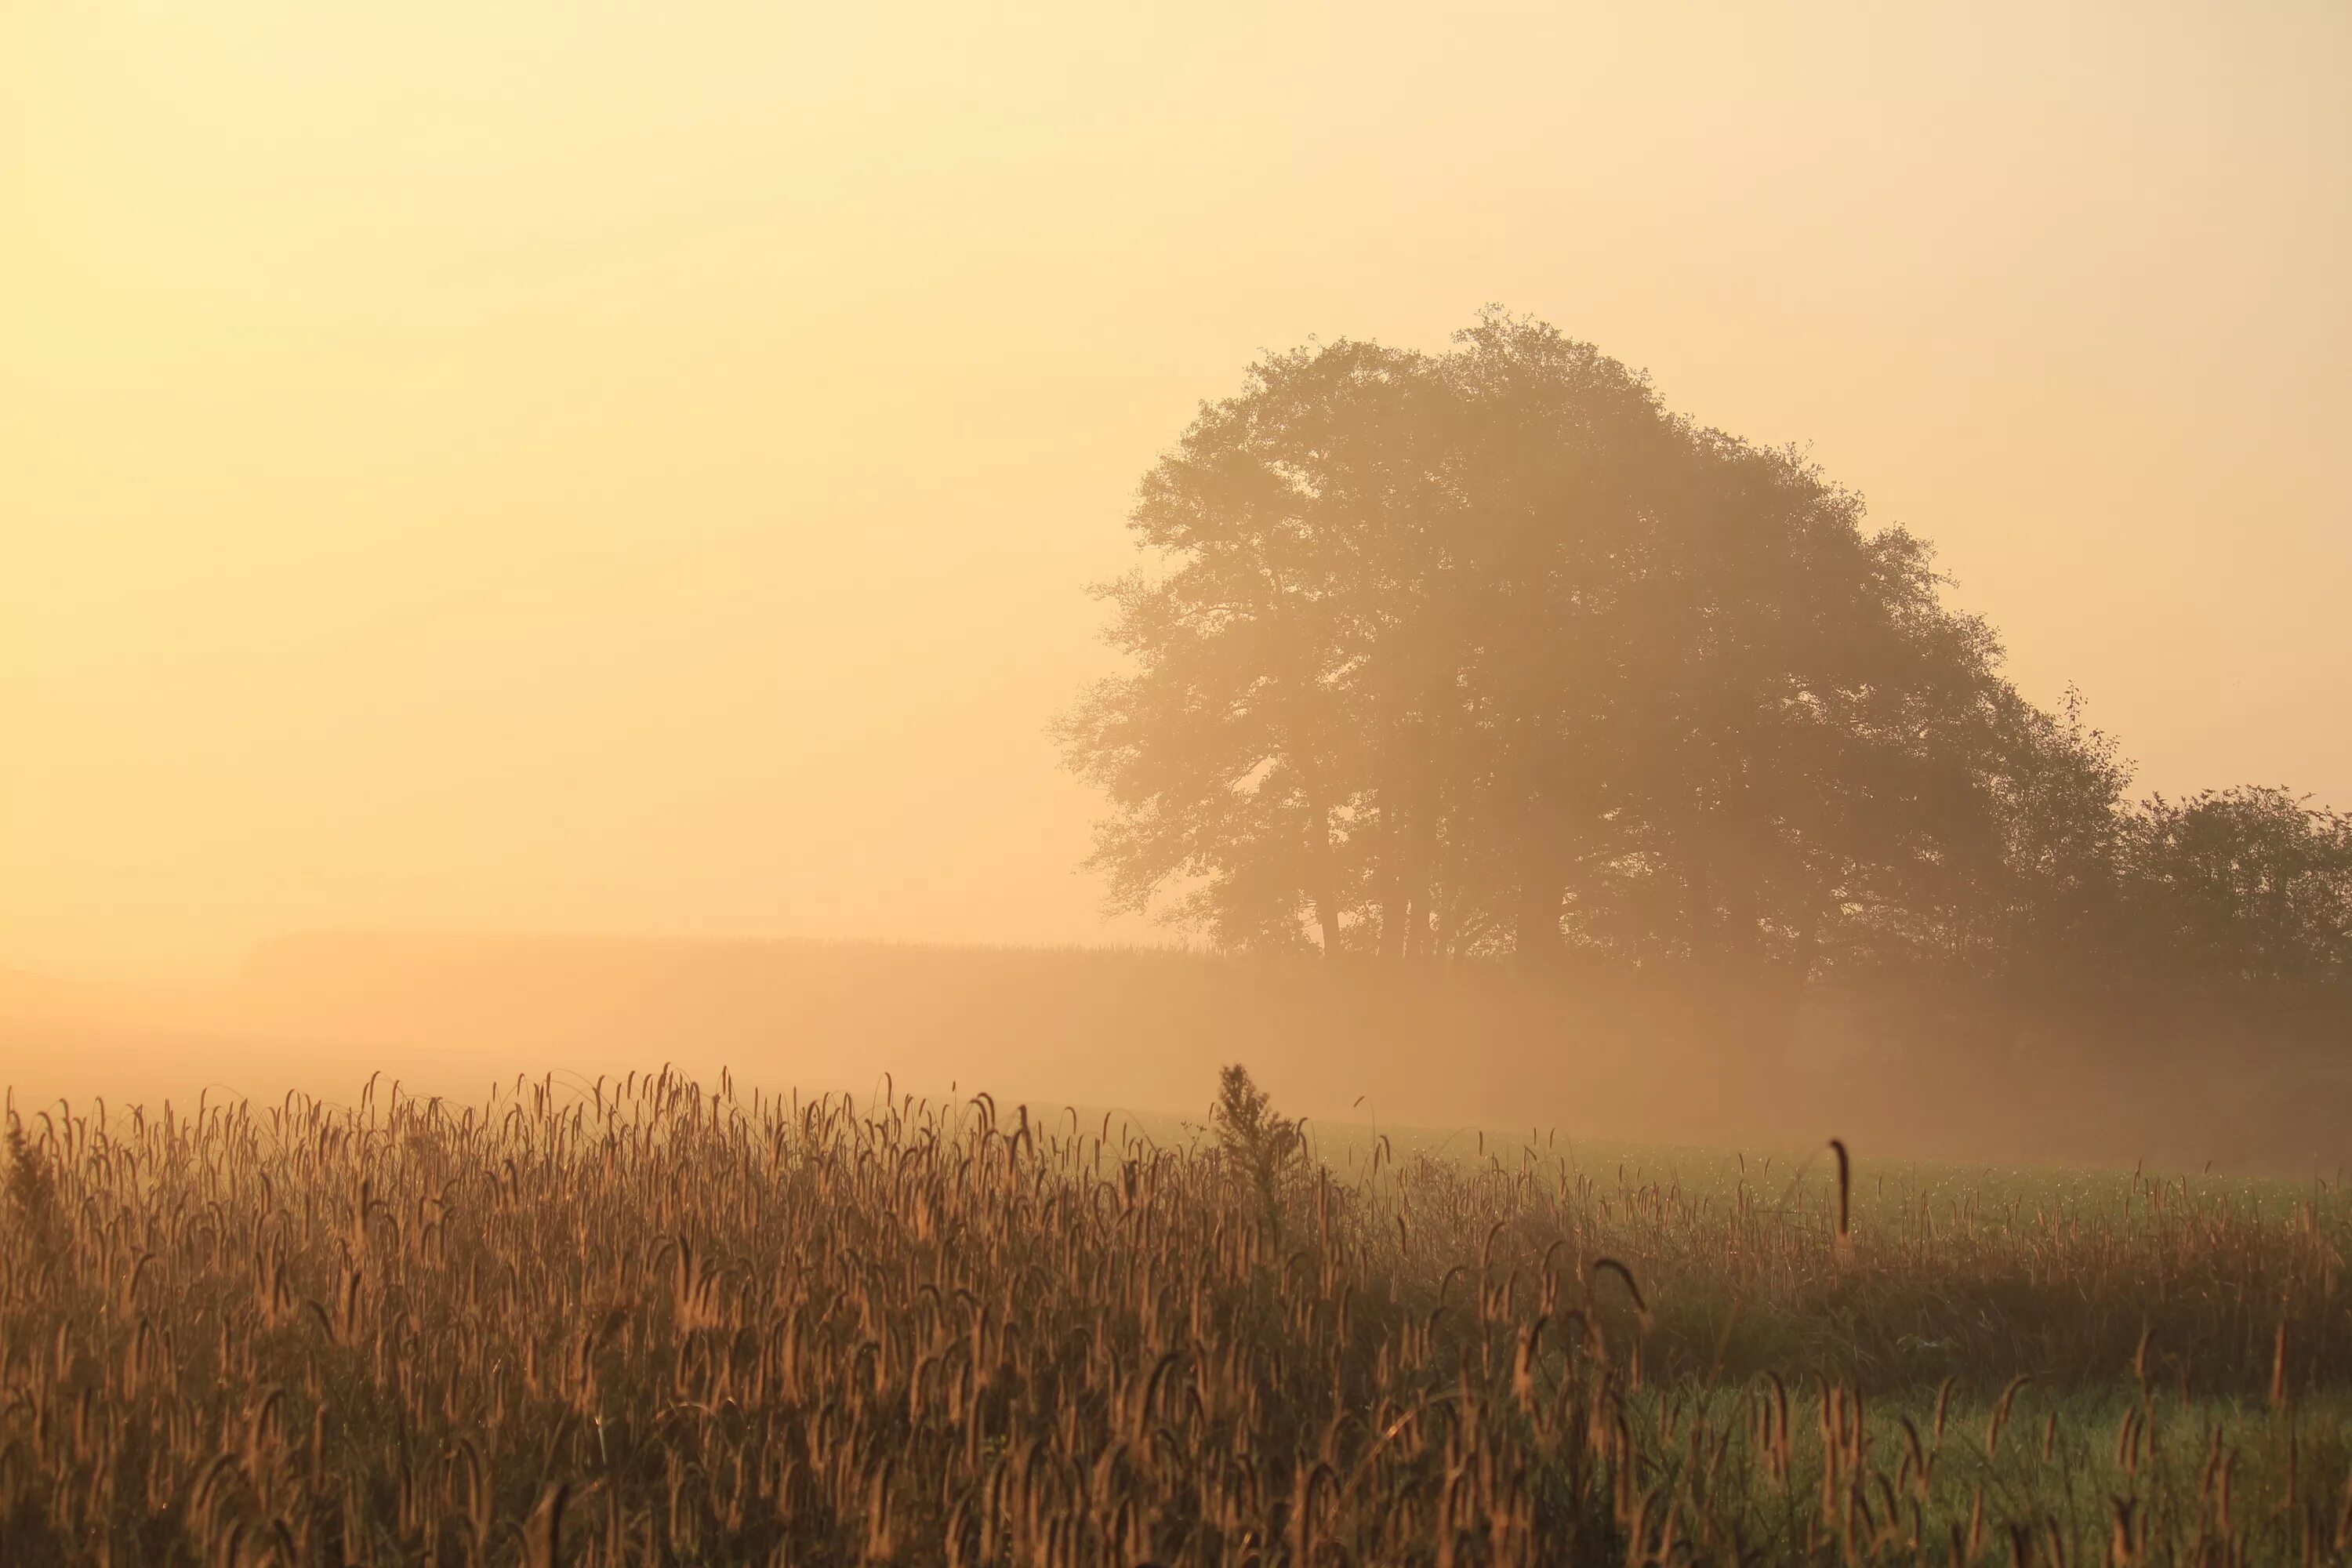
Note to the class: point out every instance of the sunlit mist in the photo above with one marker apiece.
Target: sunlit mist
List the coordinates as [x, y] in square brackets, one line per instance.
[528, 468]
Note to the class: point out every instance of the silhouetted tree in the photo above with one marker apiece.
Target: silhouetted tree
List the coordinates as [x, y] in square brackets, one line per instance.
[1250, 755]
[2050, 894]
[2241, 887]
[1484, 651]
[1484, 654]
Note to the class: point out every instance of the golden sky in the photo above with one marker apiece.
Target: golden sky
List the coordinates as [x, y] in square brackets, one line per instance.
[475, 464]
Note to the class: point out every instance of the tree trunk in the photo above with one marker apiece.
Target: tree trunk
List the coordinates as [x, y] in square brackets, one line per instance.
[1421, 884]
[1393, 911]
[1327, 918]
[1318, 873]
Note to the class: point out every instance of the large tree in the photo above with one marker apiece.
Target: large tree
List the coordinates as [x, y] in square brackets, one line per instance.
[1240, 755]
[1487, 651]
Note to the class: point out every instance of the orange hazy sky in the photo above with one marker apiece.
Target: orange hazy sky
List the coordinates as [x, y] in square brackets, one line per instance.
[475, 464]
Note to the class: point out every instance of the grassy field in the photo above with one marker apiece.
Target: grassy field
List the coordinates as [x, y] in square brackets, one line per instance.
[646, 1321]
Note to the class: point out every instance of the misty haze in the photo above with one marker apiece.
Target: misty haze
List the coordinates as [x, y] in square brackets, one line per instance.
[886, 788]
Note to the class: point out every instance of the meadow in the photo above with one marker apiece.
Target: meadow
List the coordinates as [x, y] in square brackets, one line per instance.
[644, 1320]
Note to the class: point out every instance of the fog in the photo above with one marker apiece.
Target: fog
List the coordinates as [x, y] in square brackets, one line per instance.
[1144, 1032]
[534, 469]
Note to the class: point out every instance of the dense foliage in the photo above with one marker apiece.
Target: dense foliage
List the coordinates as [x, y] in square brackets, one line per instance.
[1486, 654]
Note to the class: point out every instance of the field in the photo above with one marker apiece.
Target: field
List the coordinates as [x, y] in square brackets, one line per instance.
[1596, 1055]
[644, 1320]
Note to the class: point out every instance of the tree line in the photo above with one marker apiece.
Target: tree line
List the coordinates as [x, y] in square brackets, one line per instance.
[1486, 656]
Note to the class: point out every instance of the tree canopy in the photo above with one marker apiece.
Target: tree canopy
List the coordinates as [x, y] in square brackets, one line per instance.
[1486, 654]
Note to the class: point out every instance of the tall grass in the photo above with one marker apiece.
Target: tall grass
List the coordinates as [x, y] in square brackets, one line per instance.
[649, 1322]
